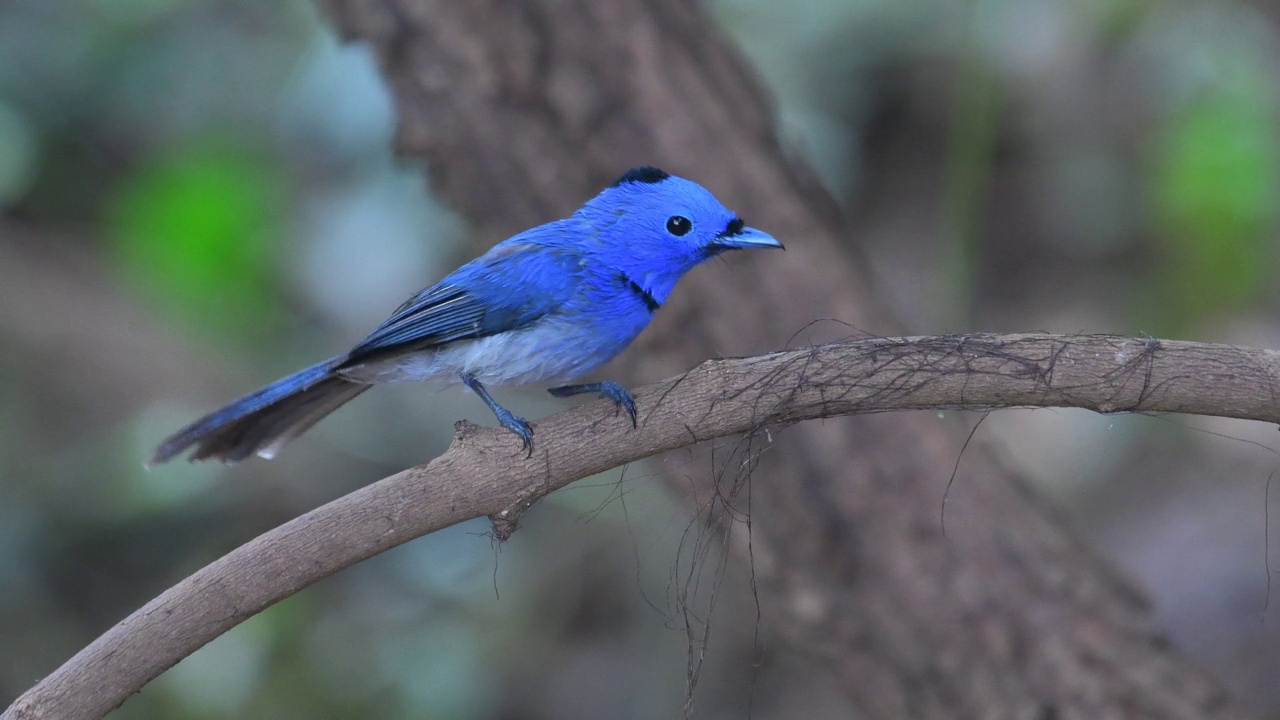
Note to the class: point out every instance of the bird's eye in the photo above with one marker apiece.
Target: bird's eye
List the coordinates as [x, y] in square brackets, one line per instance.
[678, 225]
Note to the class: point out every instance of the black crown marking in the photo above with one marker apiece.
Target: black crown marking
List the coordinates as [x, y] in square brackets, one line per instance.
[642, 174]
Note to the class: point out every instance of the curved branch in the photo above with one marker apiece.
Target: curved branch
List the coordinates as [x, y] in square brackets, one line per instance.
[484, 474]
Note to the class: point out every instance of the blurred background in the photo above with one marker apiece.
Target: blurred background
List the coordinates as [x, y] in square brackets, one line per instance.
[199, 196]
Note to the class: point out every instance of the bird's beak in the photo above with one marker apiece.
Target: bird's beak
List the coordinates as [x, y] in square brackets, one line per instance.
[745, 238]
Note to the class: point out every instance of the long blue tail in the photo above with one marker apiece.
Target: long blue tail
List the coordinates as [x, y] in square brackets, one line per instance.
[263, 421]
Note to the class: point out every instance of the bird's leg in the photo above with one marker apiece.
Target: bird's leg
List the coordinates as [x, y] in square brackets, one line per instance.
[607, 389]
[506, 418]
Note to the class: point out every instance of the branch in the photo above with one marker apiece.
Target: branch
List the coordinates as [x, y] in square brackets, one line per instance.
[484, 474]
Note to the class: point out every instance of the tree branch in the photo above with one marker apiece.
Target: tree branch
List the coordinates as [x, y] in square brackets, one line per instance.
[483, 473]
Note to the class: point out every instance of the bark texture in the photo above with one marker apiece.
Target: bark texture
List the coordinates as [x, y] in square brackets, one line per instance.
[525, 108]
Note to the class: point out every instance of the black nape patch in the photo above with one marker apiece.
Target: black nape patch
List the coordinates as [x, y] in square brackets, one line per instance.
[643, 174]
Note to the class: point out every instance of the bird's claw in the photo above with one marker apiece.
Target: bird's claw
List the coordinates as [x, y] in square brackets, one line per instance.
[506, 418]
[622, 399]
[608, 389]
[520, 427]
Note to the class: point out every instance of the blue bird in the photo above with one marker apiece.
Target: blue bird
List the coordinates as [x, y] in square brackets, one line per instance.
[547, 305]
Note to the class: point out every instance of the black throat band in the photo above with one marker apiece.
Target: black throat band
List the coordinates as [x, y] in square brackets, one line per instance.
[645, 296]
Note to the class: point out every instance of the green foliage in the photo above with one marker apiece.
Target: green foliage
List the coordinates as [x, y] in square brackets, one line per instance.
[197, 232]
[1215, 193]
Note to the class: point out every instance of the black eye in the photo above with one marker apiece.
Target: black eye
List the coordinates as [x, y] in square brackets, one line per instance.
[678, 225]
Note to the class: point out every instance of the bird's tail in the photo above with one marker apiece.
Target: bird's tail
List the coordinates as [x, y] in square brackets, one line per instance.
[263, 421]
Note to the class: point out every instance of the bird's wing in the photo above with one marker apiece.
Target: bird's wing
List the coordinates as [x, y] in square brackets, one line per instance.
[509, 287]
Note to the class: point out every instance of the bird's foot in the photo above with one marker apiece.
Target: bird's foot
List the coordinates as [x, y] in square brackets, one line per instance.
[609, 389]
[506, 418]
[517, 425]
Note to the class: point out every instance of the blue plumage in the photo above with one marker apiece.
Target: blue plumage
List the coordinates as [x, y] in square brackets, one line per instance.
[547, 305]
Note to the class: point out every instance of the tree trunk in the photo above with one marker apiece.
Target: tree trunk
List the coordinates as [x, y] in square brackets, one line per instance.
[525, 108]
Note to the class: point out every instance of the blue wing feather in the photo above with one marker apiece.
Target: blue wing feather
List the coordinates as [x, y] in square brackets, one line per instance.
[514, 284]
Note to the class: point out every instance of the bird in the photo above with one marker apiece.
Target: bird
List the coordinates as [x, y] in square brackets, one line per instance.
[547, 305]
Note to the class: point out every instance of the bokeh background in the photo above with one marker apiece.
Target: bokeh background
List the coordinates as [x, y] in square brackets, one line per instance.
[197, 197]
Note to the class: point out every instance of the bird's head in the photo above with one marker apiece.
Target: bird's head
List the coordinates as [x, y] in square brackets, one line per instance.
[657, 227]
